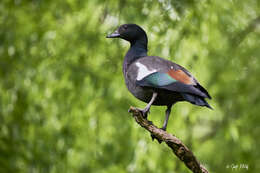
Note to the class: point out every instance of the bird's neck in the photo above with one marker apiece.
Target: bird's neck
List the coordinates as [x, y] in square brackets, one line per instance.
[137, 50]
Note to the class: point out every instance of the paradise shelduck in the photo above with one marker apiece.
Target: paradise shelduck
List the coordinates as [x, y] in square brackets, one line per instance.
[155, 80]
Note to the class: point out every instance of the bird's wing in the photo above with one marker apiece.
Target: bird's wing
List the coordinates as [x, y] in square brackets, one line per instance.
[174, 78]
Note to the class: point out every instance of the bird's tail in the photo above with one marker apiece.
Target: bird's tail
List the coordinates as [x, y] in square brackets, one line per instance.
[197, 100]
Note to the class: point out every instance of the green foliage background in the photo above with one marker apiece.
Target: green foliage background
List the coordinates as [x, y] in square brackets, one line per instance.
[63, 102]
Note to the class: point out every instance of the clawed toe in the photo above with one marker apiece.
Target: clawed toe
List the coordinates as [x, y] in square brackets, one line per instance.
[145, 112]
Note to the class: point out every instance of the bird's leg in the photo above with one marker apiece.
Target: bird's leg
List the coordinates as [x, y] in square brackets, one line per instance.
[167, 115]
[145, 111]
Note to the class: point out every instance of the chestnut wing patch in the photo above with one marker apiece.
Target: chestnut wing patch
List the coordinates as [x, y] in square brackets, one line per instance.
[181, 76]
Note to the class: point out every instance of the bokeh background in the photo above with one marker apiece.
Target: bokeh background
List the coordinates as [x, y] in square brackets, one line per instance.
[63, 101]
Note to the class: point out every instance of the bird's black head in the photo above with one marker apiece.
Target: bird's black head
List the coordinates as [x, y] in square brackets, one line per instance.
[130, 32]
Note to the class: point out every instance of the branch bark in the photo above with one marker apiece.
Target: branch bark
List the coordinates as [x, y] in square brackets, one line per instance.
[178, 148]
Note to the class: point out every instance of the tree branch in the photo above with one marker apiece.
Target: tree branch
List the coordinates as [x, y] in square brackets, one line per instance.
[179, 149]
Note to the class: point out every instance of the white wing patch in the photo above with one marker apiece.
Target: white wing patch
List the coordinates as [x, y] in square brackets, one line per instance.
[143, 71]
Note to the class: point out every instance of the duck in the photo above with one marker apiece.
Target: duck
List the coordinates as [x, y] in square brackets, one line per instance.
[155, 80]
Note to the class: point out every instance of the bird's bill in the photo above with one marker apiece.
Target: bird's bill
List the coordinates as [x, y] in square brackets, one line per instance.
[114, 35]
